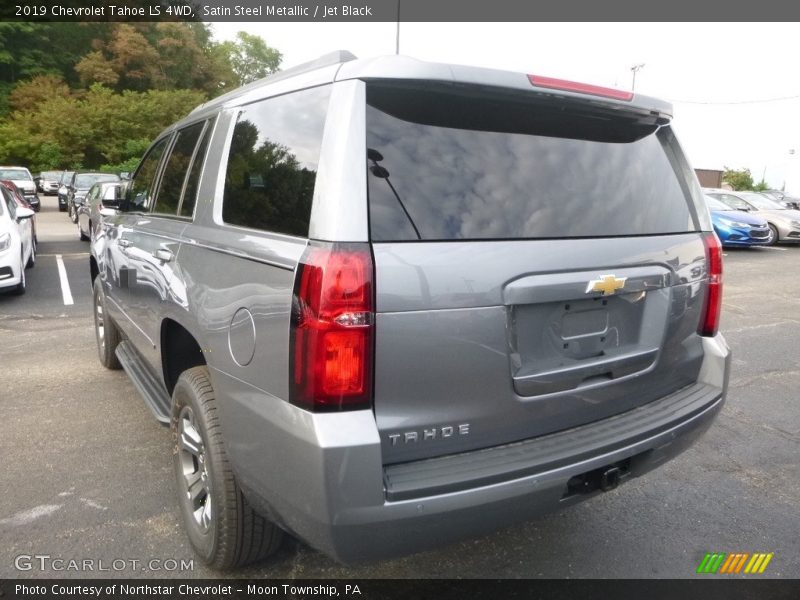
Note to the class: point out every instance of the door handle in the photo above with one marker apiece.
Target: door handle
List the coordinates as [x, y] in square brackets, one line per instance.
[163, 255]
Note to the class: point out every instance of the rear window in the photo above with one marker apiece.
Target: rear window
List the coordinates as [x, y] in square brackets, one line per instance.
[15, 174]
[87, 180]
[450, 165]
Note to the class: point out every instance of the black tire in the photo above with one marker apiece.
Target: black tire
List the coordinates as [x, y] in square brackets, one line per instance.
[32, 258]
[62, 208]
[105, 330]
[226, 533]
[84, 237]
[22, 286]
[773, 239]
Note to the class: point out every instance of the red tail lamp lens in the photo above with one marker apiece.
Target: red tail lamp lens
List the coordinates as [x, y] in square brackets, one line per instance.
[332, 328]
[709, 322]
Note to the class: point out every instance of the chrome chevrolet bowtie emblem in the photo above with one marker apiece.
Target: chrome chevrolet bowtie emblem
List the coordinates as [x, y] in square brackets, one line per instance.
[606, 285]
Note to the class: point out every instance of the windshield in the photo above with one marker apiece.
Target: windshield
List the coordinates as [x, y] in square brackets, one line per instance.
[66, 176]
[87, 180]
[715, 204]
[15, 174]
[761, 202]
[51, 174]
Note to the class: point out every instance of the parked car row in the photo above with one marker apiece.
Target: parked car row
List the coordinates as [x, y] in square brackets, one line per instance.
[81, 193]
[752, 218]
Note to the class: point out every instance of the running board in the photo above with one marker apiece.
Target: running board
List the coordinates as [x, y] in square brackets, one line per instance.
[153, 392]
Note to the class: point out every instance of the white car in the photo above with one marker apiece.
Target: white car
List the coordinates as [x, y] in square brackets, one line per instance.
[17, 248]
[23, 179]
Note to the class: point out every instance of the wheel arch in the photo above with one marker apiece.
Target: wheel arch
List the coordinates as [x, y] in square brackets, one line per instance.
[180, 350]
[94, 270]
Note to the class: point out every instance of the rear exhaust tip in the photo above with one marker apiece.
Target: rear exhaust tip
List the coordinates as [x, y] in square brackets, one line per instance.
[609, 480]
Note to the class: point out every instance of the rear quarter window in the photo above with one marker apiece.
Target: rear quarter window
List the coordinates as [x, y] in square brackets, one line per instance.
[448, 166]
[272, 164]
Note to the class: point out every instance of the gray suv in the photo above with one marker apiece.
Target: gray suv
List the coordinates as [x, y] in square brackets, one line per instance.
[384, 304]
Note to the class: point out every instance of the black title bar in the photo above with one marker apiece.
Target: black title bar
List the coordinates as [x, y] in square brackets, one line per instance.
[403, 10]
[711, 588]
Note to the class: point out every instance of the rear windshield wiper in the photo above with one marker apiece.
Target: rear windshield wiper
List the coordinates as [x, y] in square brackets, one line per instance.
[383, 173]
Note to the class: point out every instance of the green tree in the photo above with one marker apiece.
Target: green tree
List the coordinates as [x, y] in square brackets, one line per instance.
[761, 186]
[98, 128]
[247, 59]
[29, 94]
[110, 88]
[738, 179]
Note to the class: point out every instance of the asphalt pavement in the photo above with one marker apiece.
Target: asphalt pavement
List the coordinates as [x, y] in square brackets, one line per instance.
[87, 475]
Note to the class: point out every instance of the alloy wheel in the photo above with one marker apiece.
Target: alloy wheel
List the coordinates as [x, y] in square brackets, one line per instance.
[196, 477]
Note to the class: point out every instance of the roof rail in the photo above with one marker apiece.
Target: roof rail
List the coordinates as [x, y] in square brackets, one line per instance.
[332, 58]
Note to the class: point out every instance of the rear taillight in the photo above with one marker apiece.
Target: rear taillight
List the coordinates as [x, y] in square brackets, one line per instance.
[581, 88]
[709, 321]
[332, 328]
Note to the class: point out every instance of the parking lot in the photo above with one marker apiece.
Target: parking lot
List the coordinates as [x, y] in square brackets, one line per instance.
[87, 471]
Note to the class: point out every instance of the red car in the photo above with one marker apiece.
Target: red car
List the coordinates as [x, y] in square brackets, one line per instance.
[20, 199]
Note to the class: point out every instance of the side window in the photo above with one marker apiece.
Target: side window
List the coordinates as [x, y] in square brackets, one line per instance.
[10, 203]
[733, 201]
[143, 182]
[173, 179]
[272, 165]
[193, 182]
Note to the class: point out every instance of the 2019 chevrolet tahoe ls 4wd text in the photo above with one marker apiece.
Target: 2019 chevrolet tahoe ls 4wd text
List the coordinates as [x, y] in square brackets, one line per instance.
[385, 303]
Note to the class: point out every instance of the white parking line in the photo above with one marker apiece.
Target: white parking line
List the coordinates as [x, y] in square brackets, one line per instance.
[62, 275]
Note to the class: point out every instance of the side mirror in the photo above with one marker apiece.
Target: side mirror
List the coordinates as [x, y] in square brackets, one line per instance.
[116, 203]
[24, 213]
[125, 175]
[112, 198]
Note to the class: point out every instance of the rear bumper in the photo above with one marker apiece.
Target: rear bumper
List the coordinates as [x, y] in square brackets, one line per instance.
[321, 476]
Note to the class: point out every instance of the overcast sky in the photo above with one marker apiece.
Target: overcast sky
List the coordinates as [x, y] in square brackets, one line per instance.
[718, 76]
